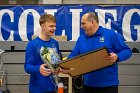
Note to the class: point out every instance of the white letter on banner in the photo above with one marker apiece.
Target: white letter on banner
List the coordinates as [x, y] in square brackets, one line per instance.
[50, 11]
[2, 12]
[75, 23]
[23, 23]
[138, 32]
[101, 15]
[126, 25]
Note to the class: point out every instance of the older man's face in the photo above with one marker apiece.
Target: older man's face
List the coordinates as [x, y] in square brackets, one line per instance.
[88, 26]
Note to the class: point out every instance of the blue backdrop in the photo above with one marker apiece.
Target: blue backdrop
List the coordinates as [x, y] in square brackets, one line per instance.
[19, 23]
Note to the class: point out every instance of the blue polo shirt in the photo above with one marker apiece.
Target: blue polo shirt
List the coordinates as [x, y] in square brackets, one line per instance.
[103, 37]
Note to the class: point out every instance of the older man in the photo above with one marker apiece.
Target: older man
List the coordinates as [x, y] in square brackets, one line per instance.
[104, 80]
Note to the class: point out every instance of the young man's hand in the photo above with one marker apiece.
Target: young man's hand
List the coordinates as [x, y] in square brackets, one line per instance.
[45, 71]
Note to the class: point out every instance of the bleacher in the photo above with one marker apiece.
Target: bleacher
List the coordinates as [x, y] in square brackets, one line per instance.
[17, 80]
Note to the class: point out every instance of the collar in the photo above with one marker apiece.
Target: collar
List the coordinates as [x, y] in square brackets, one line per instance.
[98, 32]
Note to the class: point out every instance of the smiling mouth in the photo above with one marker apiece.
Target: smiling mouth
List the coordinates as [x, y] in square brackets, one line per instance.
[52, 31]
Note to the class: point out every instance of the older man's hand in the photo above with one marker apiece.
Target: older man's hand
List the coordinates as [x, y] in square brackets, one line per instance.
[112, 58]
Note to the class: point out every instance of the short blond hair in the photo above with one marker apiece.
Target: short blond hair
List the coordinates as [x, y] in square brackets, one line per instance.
[47, 18]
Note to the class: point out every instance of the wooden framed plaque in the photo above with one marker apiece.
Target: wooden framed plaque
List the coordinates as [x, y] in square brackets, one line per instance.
[86, 62]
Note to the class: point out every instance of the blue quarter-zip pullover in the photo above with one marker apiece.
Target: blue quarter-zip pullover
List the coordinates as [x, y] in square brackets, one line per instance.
[103, 37]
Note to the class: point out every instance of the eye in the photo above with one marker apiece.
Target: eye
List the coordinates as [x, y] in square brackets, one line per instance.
[82, 23]
[52, 26]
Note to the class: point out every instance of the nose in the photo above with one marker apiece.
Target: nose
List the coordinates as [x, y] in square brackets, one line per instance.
[54, 27]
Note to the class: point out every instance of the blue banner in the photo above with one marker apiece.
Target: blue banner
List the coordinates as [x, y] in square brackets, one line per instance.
[19, 23]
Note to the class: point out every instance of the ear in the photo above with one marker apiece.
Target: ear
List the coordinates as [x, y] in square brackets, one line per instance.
[43, 26]
[93, 21]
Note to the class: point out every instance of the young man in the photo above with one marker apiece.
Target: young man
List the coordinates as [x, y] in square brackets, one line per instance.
[104, 80]
[40, 76]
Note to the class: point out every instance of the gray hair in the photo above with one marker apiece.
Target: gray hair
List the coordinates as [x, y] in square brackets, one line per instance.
[92, 16]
